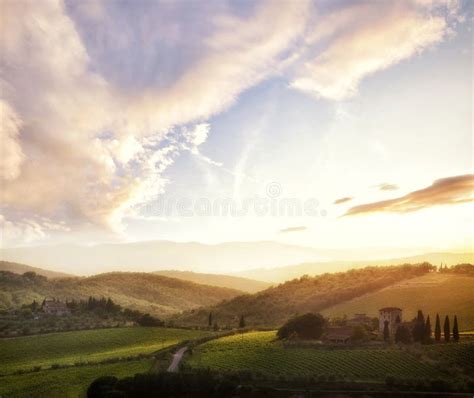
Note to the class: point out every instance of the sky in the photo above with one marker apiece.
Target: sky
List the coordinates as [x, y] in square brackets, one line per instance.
[330, 124]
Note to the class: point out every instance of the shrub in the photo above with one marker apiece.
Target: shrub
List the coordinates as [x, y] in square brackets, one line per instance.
[101, 387]
[308, 326]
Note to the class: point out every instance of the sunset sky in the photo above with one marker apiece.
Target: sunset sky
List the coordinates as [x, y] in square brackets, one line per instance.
[361, 109]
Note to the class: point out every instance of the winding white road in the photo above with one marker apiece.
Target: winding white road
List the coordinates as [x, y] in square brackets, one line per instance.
[174, 367]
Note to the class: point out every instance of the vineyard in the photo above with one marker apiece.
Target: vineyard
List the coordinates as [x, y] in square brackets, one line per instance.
[67, 348]
[258, 352]
[65, 383]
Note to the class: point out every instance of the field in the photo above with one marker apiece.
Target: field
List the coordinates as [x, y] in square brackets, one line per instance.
[88, 345]
[65, 383]
[260, 353]
[433, 293]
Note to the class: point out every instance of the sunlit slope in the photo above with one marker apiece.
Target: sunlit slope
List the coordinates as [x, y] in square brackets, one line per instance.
[273, 306]
[433, 293]
[22, 268]
[232, 282]
[158, 295]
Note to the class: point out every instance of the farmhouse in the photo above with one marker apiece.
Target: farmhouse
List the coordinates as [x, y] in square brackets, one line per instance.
[359, 319]
[338, 335]
[54, 307]
[392, 316]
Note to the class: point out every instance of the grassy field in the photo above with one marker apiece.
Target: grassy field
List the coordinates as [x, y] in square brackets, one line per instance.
[259, 352]
[88, 345]
[433, 293]
[65, 383]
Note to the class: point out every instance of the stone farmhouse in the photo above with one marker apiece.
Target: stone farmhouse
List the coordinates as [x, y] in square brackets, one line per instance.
[54, 307]
[392, 316]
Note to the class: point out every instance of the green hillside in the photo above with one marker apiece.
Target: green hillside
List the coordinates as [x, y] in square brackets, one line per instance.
[261, 353]
[155, 294]
[274, 306]
[446, 294]
[68, 382]
[67, 348]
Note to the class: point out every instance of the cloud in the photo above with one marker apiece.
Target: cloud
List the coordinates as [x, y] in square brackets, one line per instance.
[358, 42]
[99, 99]
[88, 149]
[387, 187]
[445, 191]
[343, 200]
[292, 229]
[11, 153]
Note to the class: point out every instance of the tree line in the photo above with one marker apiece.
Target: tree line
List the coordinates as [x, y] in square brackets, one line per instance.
[421, 331]
[211, 323]
[103, 307]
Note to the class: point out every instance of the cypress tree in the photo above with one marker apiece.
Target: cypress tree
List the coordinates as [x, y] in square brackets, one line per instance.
[386, 331]
[419, 329]
[427, 331]
[447, 329]
[209, 321]
[242, 322]
[455, 329]
[438, 328]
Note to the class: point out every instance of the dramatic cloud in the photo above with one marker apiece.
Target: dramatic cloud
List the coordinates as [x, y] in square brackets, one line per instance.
[445, 191]
[292, 229]
[96, 104]
[366, 37]
[80, 148]
[342, 200]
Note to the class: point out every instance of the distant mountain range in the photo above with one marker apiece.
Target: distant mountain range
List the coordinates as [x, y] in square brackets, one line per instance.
[161, 255]
[262, 260]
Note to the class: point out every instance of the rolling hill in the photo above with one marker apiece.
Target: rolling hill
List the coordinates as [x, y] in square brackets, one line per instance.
[22, 268]
[446, 294]
[158, 295]
[281, 274]
[233, 282]
[275, 305]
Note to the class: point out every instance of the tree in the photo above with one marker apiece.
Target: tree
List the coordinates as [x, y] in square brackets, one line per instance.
[359, 333]
[386, 331]
[455, 329]
[148, 320]
[308, 326]
[403, 335]
[242, 322]
[447, 329]
[427, 331]
[209, 321]
[438, 328]
[419, 328]
[34, 306]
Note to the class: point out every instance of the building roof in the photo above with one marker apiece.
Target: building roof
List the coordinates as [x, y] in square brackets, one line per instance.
[54, 304]
[338, 333]
[389, 309]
